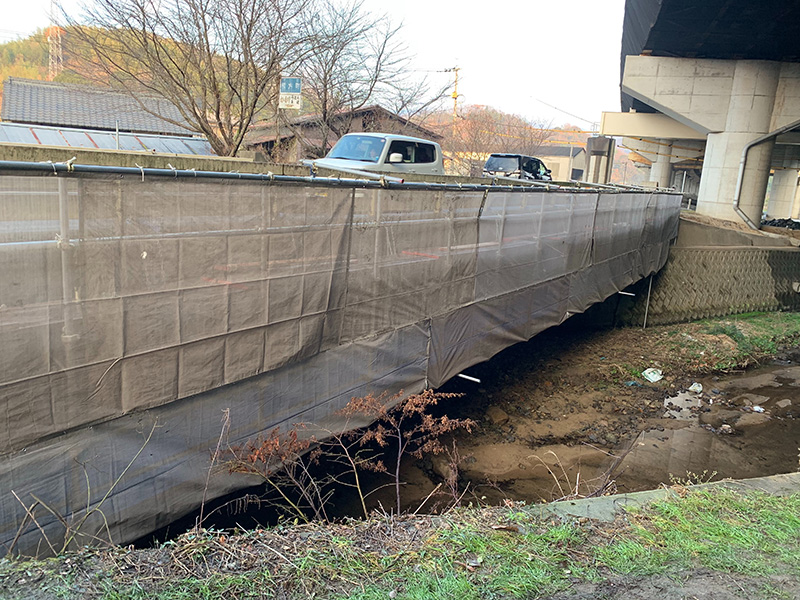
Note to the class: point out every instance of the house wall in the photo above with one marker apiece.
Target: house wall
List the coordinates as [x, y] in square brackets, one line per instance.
[560, 165]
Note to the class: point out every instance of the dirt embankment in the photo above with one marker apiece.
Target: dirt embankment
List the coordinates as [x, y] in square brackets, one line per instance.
[570, 414]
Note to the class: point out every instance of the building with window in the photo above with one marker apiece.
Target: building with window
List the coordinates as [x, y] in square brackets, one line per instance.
[308, 136]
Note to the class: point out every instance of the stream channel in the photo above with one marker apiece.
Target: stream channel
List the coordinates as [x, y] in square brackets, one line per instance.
[565, 415]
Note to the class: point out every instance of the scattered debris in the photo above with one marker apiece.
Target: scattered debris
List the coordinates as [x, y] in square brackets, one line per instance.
[758, 409]
[652, 375]
[785, 223]
[468, 378]
[513, 528]
[696, 387]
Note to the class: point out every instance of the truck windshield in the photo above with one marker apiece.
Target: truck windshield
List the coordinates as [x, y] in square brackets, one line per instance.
[358, 147]
[506, 164]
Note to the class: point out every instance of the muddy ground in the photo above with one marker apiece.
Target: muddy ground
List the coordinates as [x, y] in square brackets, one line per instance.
[569, 414]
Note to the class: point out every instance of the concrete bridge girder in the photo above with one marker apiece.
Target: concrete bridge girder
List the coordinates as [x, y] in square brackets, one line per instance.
[733, 102]
[664, 154]
[675, 149]
[658, 138]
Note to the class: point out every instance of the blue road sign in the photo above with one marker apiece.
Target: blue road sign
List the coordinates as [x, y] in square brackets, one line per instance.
[290, 85]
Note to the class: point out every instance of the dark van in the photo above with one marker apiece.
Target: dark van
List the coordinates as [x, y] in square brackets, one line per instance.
[518, 166]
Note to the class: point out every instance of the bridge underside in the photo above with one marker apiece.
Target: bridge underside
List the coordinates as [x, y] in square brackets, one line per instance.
[128, 303]
[711, 94]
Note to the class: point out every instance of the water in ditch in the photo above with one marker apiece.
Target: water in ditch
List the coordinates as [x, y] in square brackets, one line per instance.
[552, 423]
[740, 426]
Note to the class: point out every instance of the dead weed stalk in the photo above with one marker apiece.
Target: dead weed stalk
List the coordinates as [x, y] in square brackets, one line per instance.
[406, 425]
[73, 524]
[403, 426]
[282, 460]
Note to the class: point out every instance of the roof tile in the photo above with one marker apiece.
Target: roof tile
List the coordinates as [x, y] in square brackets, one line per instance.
[72, 105]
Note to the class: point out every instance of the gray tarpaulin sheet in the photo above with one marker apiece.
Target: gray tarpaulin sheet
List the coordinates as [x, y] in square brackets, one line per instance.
[125, 303]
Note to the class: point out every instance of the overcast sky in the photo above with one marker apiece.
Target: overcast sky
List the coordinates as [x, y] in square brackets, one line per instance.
[518, 57]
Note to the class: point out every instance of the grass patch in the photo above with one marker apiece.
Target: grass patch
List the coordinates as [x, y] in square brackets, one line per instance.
[470, 560]
[241, 585]
[469, 554]
[690, 349]
[753, 336]
[715, 528]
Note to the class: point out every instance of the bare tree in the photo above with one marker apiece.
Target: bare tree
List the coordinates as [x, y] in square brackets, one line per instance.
[481, 130]
[356, 59]
[415, 100]
[217, 61]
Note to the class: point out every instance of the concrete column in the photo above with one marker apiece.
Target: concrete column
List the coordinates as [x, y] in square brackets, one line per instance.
[752, 99]
[600, 150]
[783, 193]
[796, 204]
[661, 169]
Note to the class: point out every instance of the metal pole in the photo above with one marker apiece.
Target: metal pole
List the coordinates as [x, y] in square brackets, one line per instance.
[743, 161]
[267, 178]
[455, 101]
[377, 245]
[569, 166]
[69, 332]
[647, 303]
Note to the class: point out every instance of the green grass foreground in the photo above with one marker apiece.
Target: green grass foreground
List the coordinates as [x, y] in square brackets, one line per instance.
[468, 553]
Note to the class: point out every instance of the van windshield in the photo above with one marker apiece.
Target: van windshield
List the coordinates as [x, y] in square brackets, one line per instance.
[506, 164]
[358, 147]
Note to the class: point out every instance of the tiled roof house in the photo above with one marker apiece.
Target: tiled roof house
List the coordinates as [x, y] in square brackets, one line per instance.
[303, 135]
[81, 106]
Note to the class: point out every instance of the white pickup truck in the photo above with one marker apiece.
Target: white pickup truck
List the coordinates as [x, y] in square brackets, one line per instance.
[383, 153]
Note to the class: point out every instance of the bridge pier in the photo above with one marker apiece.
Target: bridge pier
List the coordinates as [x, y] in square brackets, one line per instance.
[784, 197]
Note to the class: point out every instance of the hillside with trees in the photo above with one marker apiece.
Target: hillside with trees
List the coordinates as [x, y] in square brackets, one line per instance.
[26, 58]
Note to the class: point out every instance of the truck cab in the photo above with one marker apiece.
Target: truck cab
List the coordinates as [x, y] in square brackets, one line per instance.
[384, 153]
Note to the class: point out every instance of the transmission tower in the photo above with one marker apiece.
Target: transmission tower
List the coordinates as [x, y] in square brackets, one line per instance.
[56, 62]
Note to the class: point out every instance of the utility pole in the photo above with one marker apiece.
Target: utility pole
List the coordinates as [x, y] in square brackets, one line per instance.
[454, 95]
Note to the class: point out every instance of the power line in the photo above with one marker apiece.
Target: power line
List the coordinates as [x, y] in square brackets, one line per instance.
[592, 123]
[12, 34]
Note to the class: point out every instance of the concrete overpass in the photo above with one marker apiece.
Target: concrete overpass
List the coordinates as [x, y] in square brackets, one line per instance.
[713, 88]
